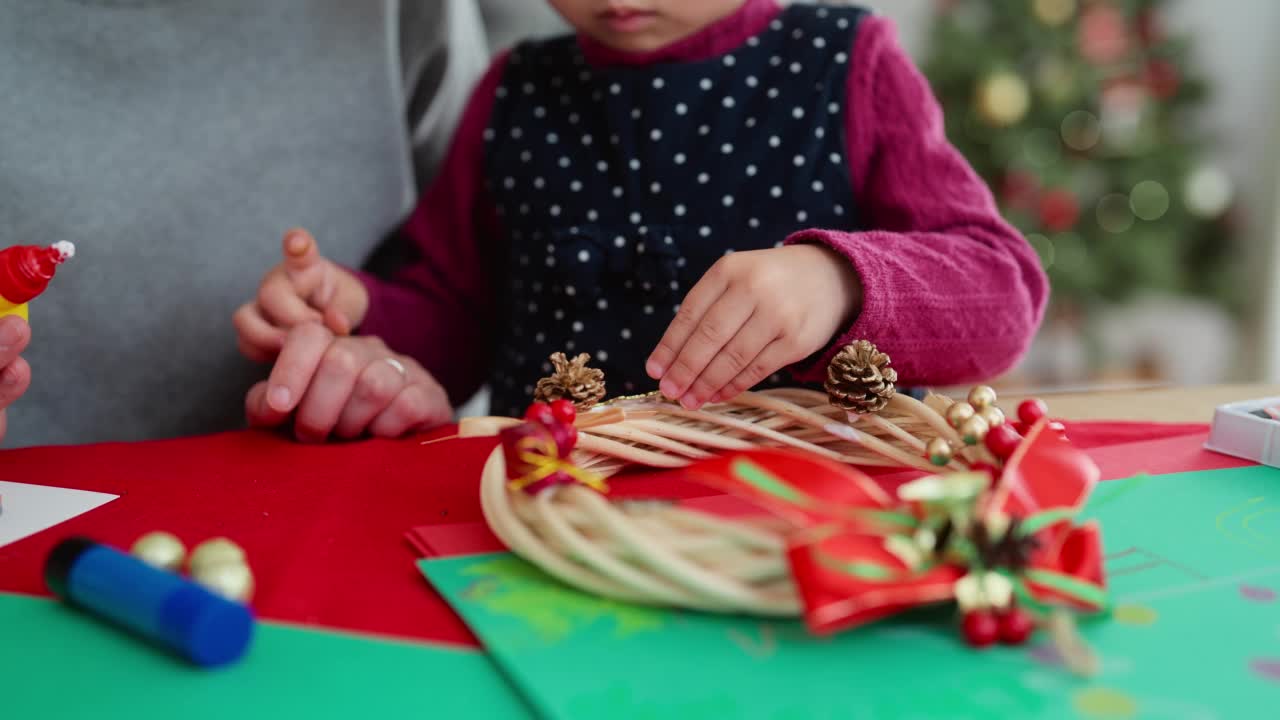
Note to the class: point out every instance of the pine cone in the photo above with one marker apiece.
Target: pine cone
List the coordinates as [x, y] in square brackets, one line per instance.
[1011, 551]
[572, 379]
[859, 379]
[1014, 550]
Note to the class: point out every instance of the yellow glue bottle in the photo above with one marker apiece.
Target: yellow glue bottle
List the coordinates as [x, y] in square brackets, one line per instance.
[25, 272]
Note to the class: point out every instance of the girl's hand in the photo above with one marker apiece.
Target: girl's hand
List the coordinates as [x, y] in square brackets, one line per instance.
[348, 386]
[752, 314]
[304, 288]
[15, 374]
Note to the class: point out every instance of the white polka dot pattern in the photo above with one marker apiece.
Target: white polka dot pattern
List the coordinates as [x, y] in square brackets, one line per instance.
[619, 187]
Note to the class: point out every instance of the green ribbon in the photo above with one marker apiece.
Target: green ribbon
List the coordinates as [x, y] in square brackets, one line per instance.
[1036, 522]
[1073, 587]
[870, 571]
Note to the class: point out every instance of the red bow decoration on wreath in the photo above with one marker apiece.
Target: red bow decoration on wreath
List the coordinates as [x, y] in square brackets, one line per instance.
[858, 554]
[537, 455]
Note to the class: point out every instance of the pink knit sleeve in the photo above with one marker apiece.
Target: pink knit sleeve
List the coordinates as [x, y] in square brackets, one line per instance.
[950, 290]
[439, 309]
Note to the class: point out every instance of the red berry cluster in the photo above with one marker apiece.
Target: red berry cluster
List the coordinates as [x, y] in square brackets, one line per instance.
[1011, 626]
[1003, 439]
[555, 413]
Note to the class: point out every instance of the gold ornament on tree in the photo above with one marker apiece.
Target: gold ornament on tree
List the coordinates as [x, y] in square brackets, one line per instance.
[1002, 99]
[572, 380]
[1054, 12]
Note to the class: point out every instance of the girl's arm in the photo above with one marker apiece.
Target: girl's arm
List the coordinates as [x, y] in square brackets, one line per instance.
[439, 308]
[949, 289]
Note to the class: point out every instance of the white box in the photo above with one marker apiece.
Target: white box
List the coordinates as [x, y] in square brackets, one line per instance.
[1236, 432]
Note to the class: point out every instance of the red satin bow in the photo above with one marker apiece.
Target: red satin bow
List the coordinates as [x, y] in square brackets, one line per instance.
[842, 563]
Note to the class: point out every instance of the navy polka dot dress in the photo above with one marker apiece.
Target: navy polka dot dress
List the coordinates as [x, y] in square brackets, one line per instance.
[618, 187]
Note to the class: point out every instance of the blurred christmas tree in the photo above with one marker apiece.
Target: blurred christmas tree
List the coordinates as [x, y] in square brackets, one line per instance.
[1078, 116]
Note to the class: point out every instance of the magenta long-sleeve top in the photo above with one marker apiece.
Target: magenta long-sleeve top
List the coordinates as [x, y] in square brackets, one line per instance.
[949, 289]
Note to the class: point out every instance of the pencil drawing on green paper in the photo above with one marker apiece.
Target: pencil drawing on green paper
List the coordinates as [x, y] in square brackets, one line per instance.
[511, 587]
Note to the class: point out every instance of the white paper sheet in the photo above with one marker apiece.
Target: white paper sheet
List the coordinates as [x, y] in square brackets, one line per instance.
[28, 509]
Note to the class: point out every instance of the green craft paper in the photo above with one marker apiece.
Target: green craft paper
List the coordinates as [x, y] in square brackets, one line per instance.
[1195, 633]
[57, 663]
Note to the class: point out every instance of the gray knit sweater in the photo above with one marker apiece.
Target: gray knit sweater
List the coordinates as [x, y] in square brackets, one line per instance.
[173, 141]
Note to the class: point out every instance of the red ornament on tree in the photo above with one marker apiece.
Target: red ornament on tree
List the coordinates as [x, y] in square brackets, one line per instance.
[1019, 189]
[1059, 210]
[1102, 36]
[1163, 79]
[1150, 30]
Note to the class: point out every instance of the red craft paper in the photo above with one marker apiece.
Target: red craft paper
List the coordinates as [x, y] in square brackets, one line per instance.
[475, 538]
[1184, 453]
[322, 526]
[454, 539]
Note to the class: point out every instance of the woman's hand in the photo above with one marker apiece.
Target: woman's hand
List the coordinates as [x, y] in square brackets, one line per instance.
[304, 288]
[751, 315]
[15, 374]
[345, 386]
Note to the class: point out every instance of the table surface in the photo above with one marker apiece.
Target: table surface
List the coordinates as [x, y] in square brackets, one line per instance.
[324, 526]
[1167, 404]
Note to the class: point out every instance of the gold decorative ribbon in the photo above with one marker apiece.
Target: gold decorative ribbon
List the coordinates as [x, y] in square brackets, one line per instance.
[540, 460]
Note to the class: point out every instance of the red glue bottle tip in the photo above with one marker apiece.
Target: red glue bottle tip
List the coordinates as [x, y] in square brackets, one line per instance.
[65, 250]
[25, 270]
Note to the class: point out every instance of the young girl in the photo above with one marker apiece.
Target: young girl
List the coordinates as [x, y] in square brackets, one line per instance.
[701, 194]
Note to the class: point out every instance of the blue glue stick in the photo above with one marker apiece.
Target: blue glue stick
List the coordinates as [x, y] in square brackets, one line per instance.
[207, 629]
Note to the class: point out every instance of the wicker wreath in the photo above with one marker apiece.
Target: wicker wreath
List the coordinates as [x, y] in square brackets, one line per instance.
[656, 552]
[643, 551]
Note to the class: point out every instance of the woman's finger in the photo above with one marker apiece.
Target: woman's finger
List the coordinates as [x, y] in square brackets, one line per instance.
[418, 407]
[378, 385]
[333, 387]
[258, 412]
